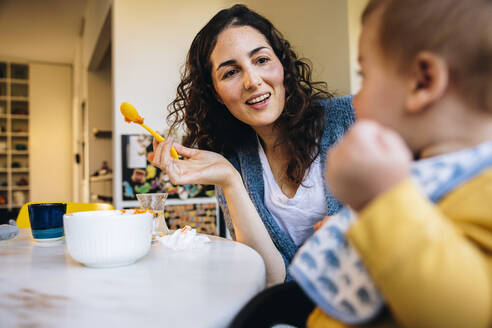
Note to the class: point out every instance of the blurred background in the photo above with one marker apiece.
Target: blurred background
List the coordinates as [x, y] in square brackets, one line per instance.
[66, 65]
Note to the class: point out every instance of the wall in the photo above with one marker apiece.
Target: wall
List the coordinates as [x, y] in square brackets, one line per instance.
[95, 15]
[77, 82]
[40, 30]
[100, 115]
[50, 135]
[327, 32]
[355, 9]
[318, 30]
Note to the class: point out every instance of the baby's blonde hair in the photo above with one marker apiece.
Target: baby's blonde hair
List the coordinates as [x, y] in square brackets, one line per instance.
[459, 31]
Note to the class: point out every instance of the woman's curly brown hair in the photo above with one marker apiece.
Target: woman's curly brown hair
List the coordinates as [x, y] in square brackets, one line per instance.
[209, 124]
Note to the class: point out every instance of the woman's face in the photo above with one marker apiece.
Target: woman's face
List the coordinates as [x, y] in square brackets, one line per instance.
[248, 77]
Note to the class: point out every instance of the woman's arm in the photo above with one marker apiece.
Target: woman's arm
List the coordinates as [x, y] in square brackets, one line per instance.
[250, 230]
[205, 167]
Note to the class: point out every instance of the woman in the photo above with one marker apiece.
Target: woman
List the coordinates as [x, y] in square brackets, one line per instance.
[262, 127]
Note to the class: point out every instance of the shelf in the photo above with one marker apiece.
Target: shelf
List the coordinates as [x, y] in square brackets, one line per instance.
[19, 81]
[14, 120]
[14, 134]
[16, 81]
[12, 80]
[106, 177]
[15, 188]
[103, 134]
[11, 206]
[19, 98]
[20, 188]
[20, 170]
[18, 116]
[15, 170]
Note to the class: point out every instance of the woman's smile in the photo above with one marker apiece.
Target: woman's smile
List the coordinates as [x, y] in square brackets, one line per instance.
[259, 101]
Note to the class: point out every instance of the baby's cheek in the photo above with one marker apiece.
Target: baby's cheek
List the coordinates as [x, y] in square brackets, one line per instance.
[356, 103]
[361, 111]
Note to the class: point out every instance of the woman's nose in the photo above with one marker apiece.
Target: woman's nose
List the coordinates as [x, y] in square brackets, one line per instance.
[251, 79]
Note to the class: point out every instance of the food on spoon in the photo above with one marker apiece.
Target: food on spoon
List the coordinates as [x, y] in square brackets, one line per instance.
[137, 211]
[131, 115]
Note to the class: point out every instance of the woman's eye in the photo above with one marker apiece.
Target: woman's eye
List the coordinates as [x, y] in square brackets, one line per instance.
[360, 73]
[262, 60]
[229, 73]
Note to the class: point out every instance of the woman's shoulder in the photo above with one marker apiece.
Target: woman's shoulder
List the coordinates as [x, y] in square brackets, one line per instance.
[338, 107]
[339, 112]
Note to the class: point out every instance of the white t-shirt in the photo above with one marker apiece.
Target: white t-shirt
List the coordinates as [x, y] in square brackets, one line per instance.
[296, 215]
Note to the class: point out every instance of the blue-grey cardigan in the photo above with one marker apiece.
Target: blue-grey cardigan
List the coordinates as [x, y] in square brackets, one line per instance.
[339, 116]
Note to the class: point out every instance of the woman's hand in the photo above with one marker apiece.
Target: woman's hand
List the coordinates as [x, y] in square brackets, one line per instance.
[200, 166]
[368, 161]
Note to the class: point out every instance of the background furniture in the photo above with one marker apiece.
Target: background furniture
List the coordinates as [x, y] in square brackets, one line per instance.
[14, 137]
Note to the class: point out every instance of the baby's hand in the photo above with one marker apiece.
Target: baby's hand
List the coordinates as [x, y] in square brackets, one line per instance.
[368, 161]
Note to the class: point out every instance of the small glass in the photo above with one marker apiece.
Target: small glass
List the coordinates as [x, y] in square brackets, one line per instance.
[155, 202]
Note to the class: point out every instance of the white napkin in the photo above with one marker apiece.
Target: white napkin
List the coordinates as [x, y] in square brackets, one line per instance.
[185, 238]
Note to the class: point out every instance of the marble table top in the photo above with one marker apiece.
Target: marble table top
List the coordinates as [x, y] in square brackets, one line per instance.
[42, 286]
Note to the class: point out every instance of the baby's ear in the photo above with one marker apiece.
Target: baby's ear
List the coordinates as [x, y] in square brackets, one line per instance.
[429, 81]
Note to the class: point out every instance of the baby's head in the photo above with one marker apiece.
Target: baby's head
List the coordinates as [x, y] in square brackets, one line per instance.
[426, 64]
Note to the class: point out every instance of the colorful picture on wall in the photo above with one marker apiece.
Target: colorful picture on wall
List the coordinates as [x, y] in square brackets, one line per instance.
[140, 176]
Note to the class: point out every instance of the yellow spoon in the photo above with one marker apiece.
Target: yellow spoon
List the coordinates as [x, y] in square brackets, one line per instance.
[131, 115]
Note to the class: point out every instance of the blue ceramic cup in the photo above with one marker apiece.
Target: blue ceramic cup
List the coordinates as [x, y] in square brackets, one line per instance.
[47, 220]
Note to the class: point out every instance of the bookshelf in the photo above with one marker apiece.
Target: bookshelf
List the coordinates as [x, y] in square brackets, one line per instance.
[14, 135]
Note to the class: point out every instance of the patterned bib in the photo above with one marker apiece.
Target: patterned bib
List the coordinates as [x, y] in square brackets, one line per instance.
[330, 270]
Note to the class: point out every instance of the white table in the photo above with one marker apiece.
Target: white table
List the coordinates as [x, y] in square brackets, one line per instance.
[42, 286]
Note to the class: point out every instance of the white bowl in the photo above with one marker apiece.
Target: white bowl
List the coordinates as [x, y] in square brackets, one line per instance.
[107, 238]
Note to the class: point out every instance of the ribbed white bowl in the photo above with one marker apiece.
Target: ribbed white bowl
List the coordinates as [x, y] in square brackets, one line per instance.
[107, 238]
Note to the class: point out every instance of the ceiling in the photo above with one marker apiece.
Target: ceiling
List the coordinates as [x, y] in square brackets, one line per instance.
[40, 30]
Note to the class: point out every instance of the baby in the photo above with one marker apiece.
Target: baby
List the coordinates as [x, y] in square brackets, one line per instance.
[422, 229]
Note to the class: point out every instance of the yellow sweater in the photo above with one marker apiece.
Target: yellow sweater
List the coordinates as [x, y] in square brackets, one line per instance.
[433, 264]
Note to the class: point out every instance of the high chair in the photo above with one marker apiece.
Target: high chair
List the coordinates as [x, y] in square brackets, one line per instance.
[23, 216]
